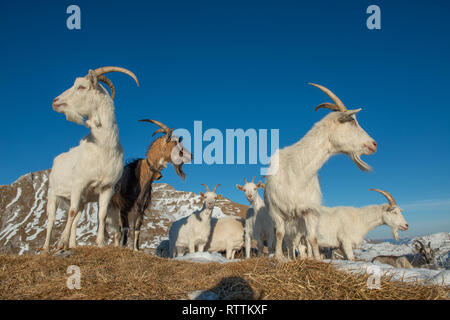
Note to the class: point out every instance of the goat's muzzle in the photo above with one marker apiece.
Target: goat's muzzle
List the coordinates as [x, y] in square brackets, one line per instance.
[56, 105]
[372, 147]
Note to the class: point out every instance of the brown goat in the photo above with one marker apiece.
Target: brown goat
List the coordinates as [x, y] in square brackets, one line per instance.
[133, 191]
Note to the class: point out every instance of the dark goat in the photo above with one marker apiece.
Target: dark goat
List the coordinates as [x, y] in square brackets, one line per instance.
[133, 191]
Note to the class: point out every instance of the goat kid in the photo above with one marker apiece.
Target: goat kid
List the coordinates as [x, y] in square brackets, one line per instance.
[193, 232]
[258, 223]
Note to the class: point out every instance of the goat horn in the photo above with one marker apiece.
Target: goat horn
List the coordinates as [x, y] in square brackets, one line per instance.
[388, 196]
[103, 70]
[214, 190]
[328, 105]
[109, 84]
[159, 124]
[245, 181]
[421, 244]
[157, 131]
[207, 188]
[336, 100]
[253, 178]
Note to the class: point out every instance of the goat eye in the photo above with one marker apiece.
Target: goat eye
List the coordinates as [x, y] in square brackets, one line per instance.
[81, 87]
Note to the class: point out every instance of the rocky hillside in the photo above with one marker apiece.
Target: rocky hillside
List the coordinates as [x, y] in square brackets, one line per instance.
[23, 217]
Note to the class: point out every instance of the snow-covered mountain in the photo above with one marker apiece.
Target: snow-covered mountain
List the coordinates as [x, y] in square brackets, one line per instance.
[23, 217]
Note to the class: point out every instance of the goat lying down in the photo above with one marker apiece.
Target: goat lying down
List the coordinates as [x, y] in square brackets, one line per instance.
[423, 258]
[193, 232]
[345, 227]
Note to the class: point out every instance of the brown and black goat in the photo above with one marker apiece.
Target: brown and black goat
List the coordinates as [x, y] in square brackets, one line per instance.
[133, 191]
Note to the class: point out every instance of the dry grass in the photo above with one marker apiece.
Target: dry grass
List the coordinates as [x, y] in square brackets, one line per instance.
[113, 273]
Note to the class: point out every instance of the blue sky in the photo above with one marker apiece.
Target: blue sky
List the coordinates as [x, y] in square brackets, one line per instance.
[243, 64]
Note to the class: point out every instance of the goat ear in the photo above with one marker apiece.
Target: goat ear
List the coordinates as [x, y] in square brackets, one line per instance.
[240, 187]
[219, 196]
[261, 185]
[348, 115]
[202, 194]
[92, 77]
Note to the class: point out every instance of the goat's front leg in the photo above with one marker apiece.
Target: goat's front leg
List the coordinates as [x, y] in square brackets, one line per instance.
[191, 247]
[51, 213]
[248, 244]
[103, 202]
[137, 230]
[348, 251]
[260, 247]
[201, 247]
[279, 234]
[73, 231]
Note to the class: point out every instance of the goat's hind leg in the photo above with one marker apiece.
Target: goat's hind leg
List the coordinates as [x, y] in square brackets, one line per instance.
[73, 211]
[73, 231]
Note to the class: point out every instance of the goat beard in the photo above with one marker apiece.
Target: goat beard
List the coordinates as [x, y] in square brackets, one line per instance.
[360, 164]
[395, 234]
[179, 170]
[74, 117]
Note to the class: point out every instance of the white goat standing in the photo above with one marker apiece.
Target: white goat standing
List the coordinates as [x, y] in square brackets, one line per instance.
[345, 227]
[89, 171]
[258, 223]
[193, 231]
[292, 185]
[227, 234]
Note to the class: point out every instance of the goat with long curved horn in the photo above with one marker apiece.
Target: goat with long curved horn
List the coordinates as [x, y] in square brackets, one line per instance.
[206, 186]
[163, 128]
[388, 196]
[338, 104]
[99, 74]
[103, 70]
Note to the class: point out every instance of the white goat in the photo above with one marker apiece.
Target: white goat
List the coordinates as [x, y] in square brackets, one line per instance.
[227, 234]
[193, 231]
[345, 227]
[258, 223]
[89, 171]
[292, 185]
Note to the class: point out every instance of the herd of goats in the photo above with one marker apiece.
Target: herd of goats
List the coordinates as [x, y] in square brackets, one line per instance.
[290, 219]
